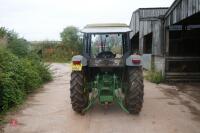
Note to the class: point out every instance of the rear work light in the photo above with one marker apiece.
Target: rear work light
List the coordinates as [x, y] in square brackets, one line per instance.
[76, 62]
[136, 61]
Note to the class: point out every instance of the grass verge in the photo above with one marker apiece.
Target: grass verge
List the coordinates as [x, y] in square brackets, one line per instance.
[154, 76]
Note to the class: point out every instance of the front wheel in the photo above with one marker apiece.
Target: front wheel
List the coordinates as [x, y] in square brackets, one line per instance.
[135, 91]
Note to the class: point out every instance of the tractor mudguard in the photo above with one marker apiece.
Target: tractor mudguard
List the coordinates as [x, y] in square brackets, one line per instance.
[80, 58]
[134, 60]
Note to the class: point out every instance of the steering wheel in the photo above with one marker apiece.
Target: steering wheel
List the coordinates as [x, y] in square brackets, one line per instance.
[106, 54]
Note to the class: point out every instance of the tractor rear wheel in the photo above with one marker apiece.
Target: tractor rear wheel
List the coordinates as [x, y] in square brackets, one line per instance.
[135, 91]
[79, 96]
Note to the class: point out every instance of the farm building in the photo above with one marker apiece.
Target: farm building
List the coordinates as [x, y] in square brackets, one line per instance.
[169, 39]
[146, 35]
[182, 40]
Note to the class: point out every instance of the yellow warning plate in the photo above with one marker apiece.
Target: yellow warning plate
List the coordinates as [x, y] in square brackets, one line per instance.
[76, 67]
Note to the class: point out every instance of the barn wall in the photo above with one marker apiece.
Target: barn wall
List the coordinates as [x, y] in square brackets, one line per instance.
[145, 21]
[181, 9]
[152, 12]
[147, 61]
[134, 24]
[156, 28]
[159, 63]
[158, 36]
[143, 17]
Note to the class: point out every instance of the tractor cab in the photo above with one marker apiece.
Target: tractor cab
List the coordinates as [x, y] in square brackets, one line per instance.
[109, 42]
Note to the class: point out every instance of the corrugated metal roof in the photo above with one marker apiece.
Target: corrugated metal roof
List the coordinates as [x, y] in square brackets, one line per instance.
[106, 28]
[106, 25]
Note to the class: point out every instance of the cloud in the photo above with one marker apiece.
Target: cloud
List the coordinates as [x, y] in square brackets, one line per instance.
[45, 19]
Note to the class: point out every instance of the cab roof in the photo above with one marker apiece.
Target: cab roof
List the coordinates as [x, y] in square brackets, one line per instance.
[106, 28]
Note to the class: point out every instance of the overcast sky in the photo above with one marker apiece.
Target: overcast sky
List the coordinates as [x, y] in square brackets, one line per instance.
[45, 19]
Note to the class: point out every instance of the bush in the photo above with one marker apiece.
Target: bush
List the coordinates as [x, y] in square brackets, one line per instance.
[31, 75]
[19, 76]
[44, 73]
[42, 68]
[11, 93]
[12, 80]
[154, 76]
[21, 71]
[19, 47]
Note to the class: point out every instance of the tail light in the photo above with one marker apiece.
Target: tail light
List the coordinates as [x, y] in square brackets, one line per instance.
[136, 61]
[76, 62]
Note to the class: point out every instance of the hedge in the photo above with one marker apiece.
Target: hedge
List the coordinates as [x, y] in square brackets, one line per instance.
[19, 76]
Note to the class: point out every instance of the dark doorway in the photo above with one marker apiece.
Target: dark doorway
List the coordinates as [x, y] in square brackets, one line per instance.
[147, 47]
[183, 61]
[135, 43]
[184, 50]
[185, 42]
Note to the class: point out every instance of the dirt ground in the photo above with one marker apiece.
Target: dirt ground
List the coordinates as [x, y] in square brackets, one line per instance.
[167, 109]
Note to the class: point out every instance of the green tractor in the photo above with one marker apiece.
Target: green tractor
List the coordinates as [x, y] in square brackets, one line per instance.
[108, 71]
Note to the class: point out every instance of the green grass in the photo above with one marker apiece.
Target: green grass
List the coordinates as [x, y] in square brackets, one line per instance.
[154, 76]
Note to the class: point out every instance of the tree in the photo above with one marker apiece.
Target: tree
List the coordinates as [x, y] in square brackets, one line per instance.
[16, 45]
[19, 47]
[12, 36]
[3, 32]
[71, 39]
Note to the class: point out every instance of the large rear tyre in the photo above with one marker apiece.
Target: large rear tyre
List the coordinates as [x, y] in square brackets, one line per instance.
[79, 96]
[135, 91]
